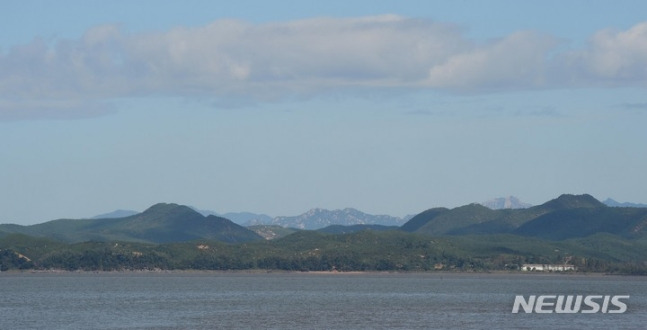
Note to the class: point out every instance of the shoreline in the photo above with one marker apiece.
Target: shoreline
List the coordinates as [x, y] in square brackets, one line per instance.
[306, 273]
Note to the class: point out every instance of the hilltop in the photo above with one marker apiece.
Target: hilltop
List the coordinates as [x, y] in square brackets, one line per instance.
[567, 216]
[161, 223]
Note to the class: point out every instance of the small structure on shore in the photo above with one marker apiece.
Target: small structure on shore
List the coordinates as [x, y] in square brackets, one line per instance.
[547, 267]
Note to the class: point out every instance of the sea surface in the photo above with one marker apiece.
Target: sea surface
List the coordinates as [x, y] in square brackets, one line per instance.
[304, 301]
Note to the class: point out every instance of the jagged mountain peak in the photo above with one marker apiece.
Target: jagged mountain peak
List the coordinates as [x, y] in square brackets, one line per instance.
[614, 203]
[510, 202]
[318, 210]
[318, 218]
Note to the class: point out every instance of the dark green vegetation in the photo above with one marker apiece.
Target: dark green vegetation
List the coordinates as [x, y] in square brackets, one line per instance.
[577, 230]
[568, 216]
[272, 231]
[339, 229]
[161, 223]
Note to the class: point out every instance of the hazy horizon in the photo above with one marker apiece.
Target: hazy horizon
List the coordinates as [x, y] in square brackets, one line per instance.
[206, 211]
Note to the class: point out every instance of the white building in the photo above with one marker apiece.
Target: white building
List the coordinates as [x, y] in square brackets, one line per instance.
[547, 267]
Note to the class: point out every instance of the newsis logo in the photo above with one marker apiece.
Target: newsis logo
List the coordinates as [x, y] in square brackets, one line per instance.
[570, 304]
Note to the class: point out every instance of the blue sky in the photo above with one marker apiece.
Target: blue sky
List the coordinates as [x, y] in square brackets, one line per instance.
[391, 107]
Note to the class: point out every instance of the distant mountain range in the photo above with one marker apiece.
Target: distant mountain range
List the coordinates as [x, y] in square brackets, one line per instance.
[509, 202]
[575, 229]
[613, 203]
[312, 220]
[568, 216]
[161, 223]
[512, 202]
[241, 218]
[320, 218]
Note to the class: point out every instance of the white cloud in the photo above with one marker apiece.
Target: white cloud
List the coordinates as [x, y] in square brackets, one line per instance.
[236, 59]
[613, 57]
[515, 62]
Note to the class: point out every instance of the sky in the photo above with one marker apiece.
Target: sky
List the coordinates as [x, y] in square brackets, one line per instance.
[277, 107]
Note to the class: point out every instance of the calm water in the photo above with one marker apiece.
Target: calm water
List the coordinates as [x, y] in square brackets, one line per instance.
[303, 301]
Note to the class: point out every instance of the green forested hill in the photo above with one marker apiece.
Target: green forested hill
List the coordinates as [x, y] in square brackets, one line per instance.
[582, 222]
[339, 229]
[459, 218]
[315, 251]
[422, 219]
[568, 216]
[161, 223]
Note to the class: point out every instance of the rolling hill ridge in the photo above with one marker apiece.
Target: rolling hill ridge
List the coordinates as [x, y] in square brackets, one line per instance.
[568, 216]
[161, 223]
[573, 229]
